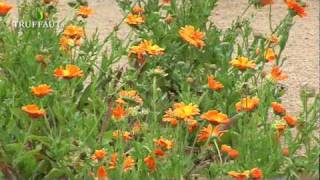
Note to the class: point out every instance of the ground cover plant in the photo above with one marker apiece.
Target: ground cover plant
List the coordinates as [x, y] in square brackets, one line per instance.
[190, 99]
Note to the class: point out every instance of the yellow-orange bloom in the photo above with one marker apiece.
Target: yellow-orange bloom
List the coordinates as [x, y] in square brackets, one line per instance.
[208, 132]
[291, 121]
[169, 117]
[127, 136]
[73, 32]
[146, 47]
[214, 84]
[269, 55]
[99, 154]
[233, 154]
[247, 104]
[113, 161]
[163, 143]
[41, 90]
[215, 117]
[280, 127]
[150, 163]
[71, 71]
[128, 164]
[192, 125]
[256, 174]
[119, 112]
[225, 148]
[134, 19]
[137, 10]
[34, 111]
[239, 175]
[4, 8]
[84, 11]
[184, 111]
[102, 173]
[296, 7]
[278, 108]
[243, 63]
[277, 74]
[192, 36]
[130, 94]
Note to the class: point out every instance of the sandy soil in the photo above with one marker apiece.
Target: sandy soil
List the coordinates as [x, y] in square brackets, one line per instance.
[302, 50]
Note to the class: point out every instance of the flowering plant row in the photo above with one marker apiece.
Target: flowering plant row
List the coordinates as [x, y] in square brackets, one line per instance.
[191, 99]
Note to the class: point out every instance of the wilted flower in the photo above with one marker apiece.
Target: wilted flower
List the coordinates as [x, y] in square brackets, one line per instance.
[34, 111]
[192, 36]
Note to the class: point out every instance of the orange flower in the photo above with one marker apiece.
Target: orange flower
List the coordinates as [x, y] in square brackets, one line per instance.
[296, 7]
[102, 173]
[239, 175]
[41, 90]
[119, 112]
[291, 121]
[33, 111]
[285, 151]
[137, 10]
[192, 125]
[233, 154]
[208, 132]
[127, 136]
[269, 55]
[280, 127]
[99, 154]
[131, 94]
[266, 2]
[66, 43]
[166, 2]
[243, 63]
[71, 71]
[277, 75]
[128, 164]
[113, 161]
[184, 111]
[215, 117]
[84, 11]
[4, 8]
[73, 32]
[163, 143]
[146, 47]
[192, 36]
[225, 148]
[278, 108]
[214, 84]
[150, 163]
[159, 152]
[256, 174]
[134, 19]
[169, 117]
[247, 104]
[40, 58]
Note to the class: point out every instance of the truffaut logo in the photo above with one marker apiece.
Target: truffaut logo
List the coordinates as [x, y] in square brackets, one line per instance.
[35, 24]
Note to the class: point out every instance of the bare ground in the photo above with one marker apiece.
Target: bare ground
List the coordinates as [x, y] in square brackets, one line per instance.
[302, 50]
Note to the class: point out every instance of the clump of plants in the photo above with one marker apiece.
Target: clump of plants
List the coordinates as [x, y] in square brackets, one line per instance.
[190, 100]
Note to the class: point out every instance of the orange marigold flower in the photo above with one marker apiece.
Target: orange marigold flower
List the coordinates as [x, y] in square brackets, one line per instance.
[269, 55]
[277, 75]
[134, 19]
[119, 112]
[137, 10]
[66, 43]
[41, 90]
[71, 71]
[163, 143]
[146, 47]
[99, 154]
[150, 163]
[131, 94]
[102, 173]
[5, 8]
[256, 174]
[285, 151]
[84, 11]
[169, 117]
[280, 127]
[192, 36]
[296, 7]
[243, 63]
[278, 108]
[233, 154]
[184, 111]
[113, 161]
[127, 136]
[291, 121]
[239, 175]
[34, 111]
[266, 2]
[192, 125]
[128, 164]
[214, 84]
[247, 104]
[208, 132]
[159, 152]
[73, 32]
[215, 117]
[225, 148]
